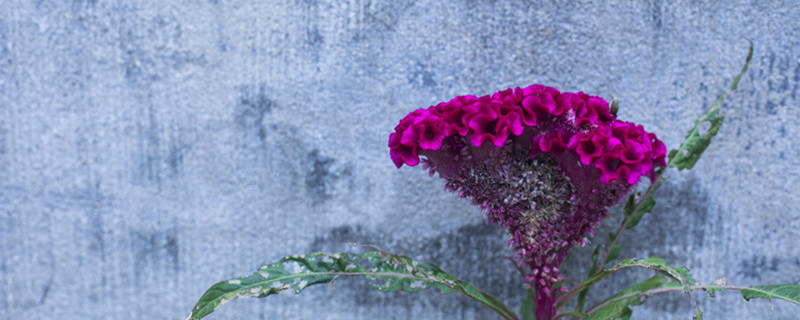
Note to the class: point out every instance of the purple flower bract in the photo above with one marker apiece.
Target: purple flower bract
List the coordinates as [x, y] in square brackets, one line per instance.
[543, 164]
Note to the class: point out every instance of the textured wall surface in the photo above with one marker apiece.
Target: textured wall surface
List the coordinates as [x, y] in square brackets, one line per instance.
[151, 149]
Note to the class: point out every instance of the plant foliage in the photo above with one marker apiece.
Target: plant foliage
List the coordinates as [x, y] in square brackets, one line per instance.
[295, 273]
[390, 272]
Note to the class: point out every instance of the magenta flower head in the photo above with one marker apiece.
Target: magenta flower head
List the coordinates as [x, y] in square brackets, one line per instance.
[543, 164]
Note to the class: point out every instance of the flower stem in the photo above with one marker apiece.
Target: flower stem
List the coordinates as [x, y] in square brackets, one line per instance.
[545, 302]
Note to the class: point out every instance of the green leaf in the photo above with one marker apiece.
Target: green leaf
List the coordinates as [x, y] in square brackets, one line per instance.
[633, 214]
[629, 205]
[613, 253]
[677, 279]
[574, 314]
[684, 158]
[715, 286]
[295, 273]
[618, 305]
[592, 271]
[641, 209]
[696, 142]
[526, 311]
[679, 274]
[788, 292]
[614, 106]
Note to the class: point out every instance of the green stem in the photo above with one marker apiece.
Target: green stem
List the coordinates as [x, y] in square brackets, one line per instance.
[602, 263]
[680, 150]
[662, 290]
[588, 282]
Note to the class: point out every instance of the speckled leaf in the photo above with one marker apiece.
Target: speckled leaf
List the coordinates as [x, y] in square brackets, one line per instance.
[295, 273]
[675, 279]
[680, 274]
[696, 142]
[617, 306]
[788, 292]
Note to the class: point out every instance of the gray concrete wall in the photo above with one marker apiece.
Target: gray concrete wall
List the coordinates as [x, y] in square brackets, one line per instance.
[151, 149]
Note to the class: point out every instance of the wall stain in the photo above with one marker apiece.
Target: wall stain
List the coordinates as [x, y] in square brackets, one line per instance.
[381, 17]
[782, 80]
[95, 205]
[152, 48]
[176, 152]
[253, 105]
[797, 266]
[26, 263]
[79, 5]
[3, 141]
[656, 14]
[796, 80]
[7, 90]
[313, 37]
[319, 178]
[6, 57]
[8, 224]
[161, 149]
[757, 265]
[175, 158]
[150, 166]
[47, 286]
[36, 269]
[3, 290]
[421, 75]
[155, 251]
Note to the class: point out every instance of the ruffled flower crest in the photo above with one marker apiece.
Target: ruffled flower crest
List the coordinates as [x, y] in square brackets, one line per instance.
[543, 164]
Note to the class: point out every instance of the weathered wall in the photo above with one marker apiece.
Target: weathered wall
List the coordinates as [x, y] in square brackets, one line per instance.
[148, 150]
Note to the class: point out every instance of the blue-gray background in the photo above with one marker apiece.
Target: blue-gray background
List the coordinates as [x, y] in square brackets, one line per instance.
[151, 149]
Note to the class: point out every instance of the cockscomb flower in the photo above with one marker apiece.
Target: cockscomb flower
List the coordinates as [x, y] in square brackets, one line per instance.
[543, 164]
